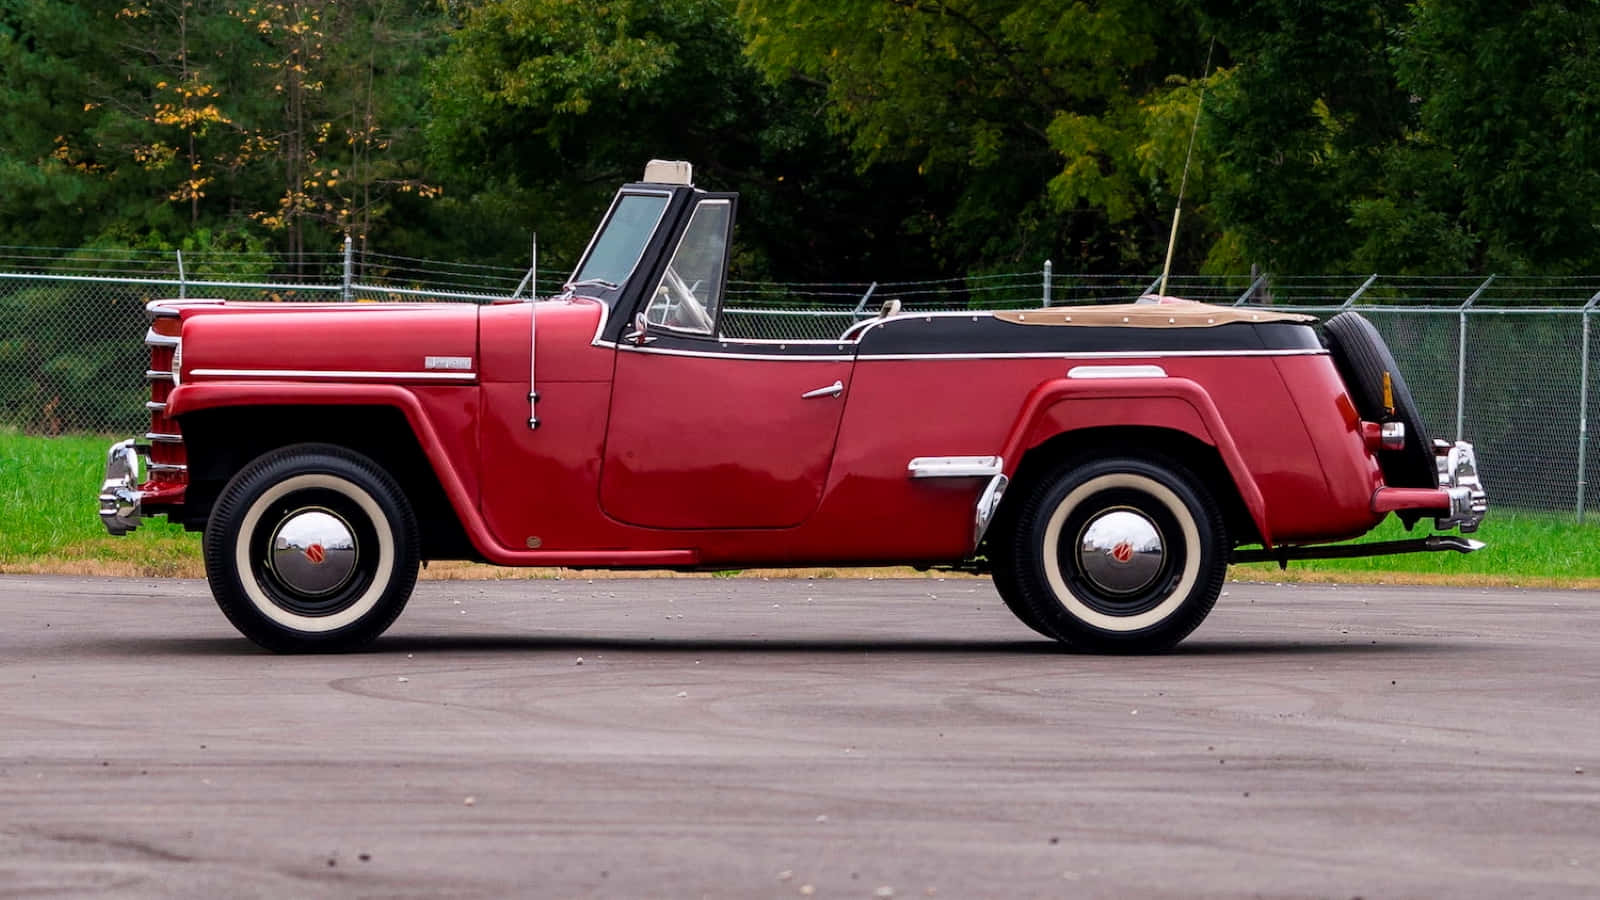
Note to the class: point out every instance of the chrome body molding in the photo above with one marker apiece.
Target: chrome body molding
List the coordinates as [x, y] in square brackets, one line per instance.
[169, 308]
[120, 497]
[1144, 371]
[161, 340]
[157, 375]
[162, 437]
[988, 504]
[1458, 476]
[324, 373]
[1090, 354]
[155, 406]
[167, 467]
[713, 354]
[955, 466]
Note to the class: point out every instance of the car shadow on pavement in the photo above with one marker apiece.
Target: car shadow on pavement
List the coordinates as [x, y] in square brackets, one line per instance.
[548, 643]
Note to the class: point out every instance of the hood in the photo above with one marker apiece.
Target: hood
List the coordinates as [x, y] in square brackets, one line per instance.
[401, 341]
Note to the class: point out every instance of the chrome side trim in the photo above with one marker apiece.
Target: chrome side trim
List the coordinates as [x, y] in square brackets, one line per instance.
[955, 466]
[833, 357]
[162, 437]
[157, 375]
[155, 406]
[168, 467]
[168, 308]
[712, 355]
[1094, 354]
[161, 340]
[322, 373]
[1116, 372]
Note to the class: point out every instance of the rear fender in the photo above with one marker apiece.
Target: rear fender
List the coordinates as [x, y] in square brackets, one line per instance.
[1176, 404]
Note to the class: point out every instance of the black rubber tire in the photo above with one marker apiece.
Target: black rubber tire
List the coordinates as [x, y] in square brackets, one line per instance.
[1068, 605]
[1361, 356]
[294, 479]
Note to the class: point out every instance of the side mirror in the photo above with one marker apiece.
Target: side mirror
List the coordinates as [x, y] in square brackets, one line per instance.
[640, 328]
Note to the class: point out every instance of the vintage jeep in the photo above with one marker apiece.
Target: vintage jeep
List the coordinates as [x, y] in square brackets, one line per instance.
[1105, 463]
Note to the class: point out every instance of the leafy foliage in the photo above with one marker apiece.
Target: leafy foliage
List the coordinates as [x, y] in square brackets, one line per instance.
[872, 138]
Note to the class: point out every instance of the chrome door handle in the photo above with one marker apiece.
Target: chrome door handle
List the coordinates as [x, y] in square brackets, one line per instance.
[832, 390]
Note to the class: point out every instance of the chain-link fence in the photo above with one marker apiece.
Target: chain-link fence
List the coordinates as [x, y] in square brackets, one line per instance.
[1503, 362]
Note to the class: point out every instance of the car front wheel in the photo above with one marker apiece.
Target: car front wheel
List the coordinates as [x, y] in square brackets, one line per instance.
[1122, 554]
[311, 548]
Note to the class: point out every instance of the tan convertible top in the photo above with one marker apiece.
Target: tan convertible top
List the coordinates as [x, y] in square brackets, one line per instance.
[1155, 312]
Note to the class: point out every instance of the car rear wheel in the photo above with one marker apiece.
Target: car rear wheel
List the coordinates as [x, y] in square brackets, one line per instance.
[1121, 554]
[311, 548]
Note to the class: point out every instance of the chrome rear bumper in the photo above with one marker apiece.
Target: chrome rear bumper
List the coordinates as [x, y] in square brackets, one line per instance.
[121, 501]
[1458, 476]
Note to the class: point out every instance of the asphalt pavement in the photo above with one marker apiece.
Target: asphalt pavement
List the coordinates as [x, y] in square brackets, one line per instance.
[830, 738]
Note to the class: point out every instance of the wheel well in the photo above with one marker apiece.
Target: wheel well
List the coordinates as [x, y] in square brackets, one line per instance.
[1200, 457]
[220, 442]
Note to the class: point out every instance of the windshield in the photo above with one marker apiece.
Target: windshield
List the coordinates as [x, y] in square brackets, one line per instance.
[617, 248]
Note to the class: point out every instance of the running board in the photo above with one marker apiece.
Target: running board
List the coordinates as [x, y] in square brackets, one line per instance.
[1434, 544]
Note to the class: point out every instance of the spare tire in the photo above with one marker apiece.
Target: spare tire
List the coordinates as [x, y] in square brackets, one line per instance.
[1362, 357]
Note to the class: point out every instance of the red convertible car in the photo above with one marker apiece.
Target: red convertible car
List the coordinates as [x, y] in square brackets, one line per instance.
[1105, 463]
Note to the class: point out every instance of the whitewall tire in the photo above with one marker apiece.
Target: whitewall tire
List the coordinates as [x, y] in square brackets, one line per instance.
[1118, 554]
[311, 547]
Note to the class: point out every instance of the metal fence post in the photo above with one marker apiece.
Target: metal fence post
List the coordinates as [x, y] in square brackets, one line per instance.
[345, 293]
[1583, 407]
[183, 292]
[1351, 300]
[1249, 291]
[1461, 357]
[1047, 268]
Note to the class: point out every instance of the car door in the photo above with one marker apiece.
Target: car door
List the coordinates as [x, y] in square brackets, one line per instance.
[708, 432]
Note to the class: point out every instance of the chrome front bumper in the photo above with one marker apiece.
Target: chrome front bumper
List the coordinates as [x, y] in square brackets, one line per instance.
[1458, 477]
[120, 497]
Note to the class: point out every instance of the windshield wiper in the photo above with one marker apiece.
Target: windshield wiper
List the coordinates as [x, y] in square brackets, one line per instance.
[569, 287]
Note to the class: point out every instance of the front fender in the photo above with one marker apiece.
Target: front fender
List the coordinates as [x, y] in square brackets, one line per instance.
[195, 397]
[1063, 405]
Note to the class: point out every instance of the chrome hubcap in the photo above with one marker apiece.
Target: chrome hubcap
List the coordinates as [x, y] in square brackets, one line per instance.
[313, 551]
[1120, 551]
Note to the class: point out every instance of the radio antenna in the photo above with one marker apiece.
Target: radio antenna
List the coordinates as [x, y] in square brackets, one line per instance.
[1172, 239]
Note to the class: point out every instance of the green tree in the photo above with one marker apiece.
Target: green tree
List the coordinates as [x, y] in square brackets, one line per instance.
[541, 108]
[1058, 128]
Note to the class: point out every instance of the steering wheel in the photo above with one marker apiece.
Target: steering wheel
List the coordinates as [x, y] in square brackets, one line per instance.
[689, 312]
